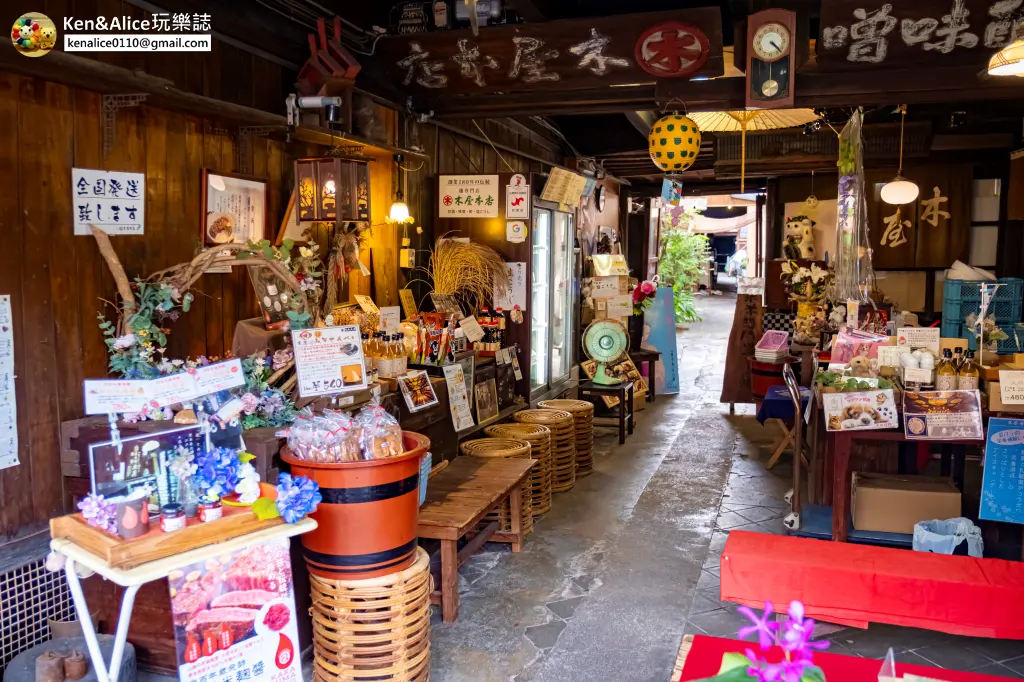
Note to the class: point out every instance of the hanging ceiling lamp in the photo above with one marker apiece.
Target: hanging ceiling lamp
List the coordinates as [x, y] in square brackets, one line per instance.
[1009, 61]
[399, 211]
[900, 190]
[674, 142]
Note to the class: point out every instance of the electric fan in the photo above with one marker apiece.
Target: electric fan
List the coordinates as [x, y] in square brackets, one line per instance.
[605, 342]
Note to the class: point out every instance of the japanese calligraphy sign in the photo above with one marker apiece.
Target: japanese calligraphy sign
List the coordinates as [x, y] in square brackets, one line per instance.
[565, 54]
[8, 398]
[468, 196]
[515, 294]
[865, 32]
[329, 360]
[114, 202]
[1002, 484]
[234, 617]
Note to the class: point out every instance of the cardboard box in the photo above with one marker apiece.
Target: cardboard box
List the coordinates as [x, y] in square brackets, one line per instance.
[995, 401]
[894, 503]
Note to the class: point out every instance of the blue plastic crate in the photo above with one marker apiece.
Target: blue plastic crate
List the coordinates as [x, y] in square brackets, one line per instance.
[1004, 312]
[1006, 347]
[965, 290]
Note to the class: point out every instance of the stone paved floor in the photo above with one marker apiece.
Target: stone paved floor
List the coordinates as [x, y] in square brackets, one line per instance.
[627, 561]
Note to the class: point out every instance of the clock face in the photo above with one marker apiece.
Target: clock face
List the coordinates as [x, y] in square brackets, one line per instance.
[771, 41]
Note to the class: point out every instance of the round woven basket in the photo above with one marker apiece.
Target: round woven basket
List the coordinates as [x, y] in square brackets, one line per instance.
[539, 438]
[563, 444]
[505, 447]
[583, 416]
[373, 629]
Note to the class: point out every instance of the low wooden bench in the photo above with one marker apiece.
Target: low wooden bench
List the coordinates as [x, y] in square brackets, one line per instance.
[457, 500]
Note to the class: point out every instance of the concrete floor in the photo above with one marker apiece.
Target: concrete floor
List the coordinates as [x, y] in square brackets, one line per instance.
[627, 561]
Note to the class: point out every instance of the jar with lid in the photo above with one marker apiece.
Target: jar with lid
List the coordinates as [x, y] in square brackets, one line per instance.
[210, 510]
[172, 518]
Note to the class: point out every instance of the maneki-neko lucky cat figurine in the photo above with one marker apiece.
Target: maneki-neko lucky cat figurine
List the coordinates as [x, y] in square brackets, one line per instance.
[799, 238]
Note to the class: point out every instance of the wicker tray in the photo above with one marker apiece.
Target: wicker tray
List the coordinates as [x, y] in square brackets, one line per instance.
[505, 448]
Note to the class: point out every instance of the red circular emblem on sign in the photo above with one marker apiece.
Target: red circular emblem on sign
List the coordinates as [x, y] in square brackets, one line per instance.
[447, 200]
[671, 49]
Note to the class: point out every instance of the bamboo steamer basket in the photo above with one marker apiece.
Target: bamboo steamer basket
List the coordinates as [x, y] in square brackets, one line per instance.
[505, 448]
[539, 438]
[583, 417]
[373, 629]
[563, 444]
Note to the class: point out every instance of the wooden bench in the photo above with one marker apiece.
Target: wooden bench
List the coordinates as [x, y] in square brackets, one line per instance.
[457, 500]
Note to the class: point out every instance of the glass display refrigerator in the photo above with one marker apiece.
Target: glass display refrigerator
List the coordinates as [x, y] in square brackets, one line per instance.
[552, 313]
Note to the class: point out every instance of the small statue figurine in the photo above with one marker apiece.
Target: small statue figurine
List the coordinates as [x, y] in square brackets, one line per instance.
[799, 238]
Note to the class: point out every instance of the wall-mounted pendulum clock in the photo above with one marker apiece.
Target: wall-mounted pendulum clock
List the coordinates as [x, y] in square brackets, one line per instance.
[770, 59]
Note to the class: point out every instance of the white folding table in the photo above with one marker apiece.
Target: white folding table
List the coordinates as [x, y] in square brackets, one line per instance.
[134, 578]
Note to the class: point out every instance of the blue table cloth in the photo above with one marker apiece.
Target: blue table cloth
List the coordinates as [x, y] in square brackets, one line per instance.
[778, 405]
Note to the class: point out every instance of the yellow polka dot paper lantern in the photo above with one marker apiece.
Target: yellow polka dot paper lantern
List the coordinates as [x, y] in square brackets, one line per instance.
[674, 142]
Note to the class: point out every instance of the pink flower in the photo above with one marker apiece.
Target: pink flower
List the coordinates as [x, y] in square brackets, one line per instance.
[638, 296]
[250, 403]
[648, 288]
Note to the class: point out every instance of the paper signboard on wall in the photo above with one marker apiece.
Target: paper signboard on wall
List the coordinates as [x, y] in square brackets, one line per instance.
[517, 202]
[468, 196]
[515, 293]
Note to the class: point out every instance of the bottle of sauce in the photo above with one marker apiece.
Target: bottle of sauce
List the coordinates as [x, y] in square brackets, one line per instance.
[499, 329]
[945, 373]
[970, 374]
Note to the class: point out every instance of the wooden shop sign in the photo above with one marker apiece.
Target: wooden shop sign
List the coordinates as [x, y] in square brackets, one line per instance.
[563, 55]
[855, 34]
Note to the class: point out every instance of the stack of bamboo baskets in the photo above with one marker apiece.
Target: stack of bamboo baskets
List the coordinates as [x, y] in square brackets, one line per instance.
[539, 438]
[583, 416]
[505, 447]
[563, 444]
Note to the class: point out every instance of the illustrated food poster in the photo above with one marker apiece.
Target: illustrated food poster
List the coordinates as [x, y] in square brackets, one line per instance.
[660, 335]
[1002, 485]
[234, 617]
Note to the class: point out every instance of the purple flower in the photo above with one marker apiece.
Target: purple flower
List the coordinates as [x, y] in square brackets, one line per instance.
[765, 630]
[250, 403]
[296, 497]
[99, 512]
[784, 671]
[124, 342]
[797, 633]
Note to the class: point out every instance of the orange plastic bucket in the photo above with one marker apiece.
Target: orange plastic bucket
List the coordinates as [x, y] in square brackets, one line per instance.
[368, 516]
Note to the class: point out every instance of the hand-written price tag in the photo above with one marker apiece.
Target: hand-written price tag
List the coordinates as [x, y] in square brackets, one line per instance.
[367, 304]
[472, 329]
[919, 337]
[1011, 386]
[604, 287]
[923, 376]
[408, 302]
[390, 319]
[889, 356]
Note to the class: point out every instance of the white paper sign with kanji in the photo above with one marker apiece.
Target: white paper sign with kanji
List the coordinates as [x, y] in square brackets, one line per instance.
[515, 293]
[112, 201]
[468, 196]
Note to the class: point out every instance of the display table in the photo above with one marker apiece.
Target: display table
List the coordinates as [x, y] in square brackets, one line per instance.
[133, 578]
[701, 656]
[641, 356]
[777, 406]
[591, 392]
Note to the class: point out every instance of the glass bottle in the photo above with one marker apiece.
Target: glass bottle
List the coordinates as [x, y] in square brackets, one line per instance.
[945, 373]
[401, 360]
[499, 329]
[367, 347]
[958, 358]
[970, 373]
[485, 323]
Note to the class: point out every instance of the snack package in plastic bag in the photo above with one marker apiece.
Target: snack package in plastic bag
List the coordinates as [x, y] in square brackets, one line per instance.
[380, 435]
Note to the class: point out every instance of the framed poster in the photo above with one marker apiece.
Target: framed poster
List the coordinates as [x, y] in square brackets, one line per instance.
[660, 335]
[943, 415]
[486, 400]
[234, 208]
[234, 616]
[141, 461]
[860, 410]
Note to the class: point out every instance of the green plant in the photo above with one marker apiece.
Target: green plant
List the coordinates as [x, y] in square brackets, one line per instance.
[683, 256]
[136, 353]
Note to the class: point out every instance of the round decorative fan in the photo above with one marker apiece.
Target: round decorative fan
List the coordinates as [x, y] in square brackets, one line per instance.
[605, 342]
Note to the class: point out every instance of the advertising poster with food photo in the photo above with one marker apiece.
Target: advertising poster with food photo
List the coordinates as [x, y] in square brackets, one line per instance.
[859, 411]
[234, 617]
[943, 415]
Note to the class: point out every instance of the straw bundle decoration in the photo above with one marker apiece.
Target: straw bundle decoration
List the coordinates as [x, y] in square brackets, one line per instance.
[511, 448]
[468, 270]
[583, 416]
[539, 438]
[563, 444]
[374, 629]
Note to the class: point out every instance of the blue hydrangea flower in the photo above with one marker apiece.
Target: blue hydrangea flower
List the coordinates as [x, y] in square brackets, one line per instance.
[296, 497]
[216, 472]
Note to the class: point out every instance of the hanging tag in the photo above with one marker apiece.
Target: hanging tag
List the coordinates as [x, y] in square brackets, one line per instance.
[515, 367]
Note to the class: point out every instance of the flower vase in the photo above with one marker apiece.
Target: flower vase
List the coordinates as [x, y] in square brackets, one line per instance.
[635, 327]
[188, 497]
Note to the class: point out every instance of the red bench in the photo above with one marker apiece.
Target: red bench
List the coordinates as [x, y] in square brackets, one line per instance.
[859, 584]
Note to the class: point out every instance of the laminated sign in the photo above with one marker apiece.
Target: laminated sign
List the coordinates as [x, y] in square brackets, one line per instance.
[234, 617]
[468, 196]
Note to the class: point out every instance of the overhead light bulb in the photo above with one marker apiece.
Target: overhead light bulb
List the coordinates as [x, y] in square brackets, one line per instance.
[1009, 61]
[399, 212]
[900, 190]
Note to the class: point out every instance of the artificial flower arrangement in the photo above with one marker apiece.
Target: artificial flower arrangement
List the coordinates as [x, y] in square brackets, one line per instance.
[262, 404]
[991, 333]
[216, 474]
[785, 650]
[806, 285]
[643, 294]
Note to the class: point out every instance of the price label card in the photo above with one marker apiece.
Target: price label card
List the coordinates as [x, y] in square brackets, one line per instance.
[408, 302]
[923, 376]
[919, 337]
[104, 396]
[458, 397]
[390, 319]
[367, 304]
[889, 356]
[1011, 386]
[329, 360]
[171, 389]
[220, 376]
[472, 329]
[604, 287]
[620, 307]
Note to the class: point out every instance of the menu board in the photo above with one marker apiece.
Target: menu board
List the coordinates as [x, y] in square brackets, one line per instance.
[329, 360]
[235, 619]
[943, 415]
[1002, 484]
[564, 187]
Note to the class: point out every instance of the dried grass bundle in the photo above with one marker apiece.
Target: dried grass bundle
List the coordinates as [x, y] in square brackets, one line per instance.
[468, 270]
